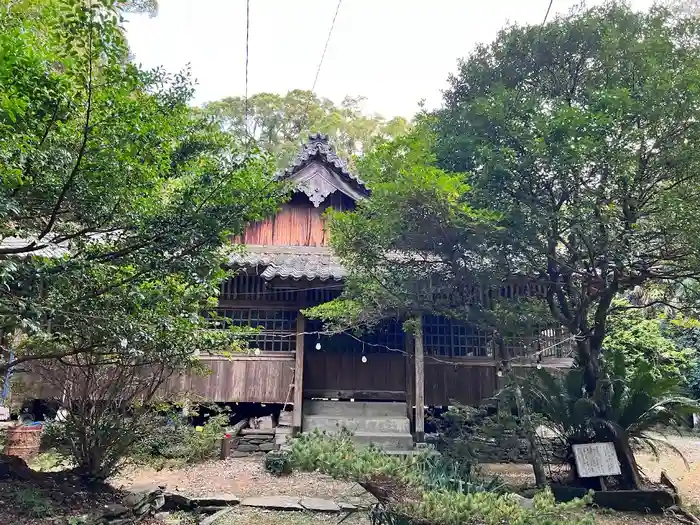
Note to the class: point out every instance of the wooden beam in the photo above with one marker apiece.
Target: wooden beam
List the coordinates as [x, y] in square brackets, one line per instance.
[420, 382]
[357, 395]
[299, 374]
[410, 377]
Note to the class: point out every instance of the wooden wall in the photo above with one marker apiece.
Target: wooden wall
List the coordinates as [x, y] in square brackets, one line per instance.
[467, 381]
[344, 375]
[263, 379]
[298, 223]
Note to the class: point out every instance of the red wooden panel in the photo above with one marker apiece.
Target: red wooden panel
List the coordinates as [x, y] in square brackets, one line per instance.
[298, 223]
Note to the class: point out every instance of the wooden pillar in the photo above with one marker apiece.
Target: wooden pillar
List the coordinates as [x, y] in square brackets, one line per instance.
[299, 374]
[410, 378]
[420, 382]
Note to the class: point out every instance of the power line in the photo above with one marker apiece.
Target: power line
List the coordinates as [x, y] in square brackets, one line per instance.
[320, 64]
[325, 47]
[247, 41]
[546, 15]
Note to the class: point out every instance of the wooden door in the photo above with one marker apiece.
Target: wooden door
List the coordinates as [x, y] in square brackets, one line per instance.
[337, 369]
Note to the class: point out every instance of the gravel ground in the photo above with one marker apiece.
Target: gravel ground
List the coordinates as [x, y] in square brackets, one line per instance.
[239, 476]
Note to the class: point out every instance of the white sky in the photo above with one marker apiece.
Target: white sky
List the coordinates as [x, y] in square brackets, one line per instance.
[393, 52]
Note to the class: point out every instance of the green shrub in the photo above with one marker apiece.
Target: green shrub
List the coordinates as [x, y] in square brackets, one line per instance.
[278, 463]
[31, 501]
[421, 489]
[473, 435]
[636, 405]
[451, 508]
[440, 472]
[172, 438]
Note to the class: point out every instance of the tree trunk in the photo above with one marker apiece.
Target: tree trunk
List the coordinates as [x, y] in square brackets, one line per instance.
[535, 456]
[588, 358]
[628, 463]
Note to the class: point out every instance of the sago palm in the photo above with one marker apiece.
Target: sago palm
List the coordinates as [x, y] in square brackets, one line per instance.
[627, 406]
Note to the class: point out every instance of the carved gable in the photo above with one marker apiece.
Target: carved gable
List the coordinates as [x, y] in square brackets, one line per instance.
[318, 182]
[318, 172]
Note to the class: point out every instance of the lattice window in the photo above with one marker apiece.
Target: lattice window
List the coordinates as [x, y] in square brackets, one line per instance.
[437, 335]
[450, 338]
[278, 327]
[387, 337]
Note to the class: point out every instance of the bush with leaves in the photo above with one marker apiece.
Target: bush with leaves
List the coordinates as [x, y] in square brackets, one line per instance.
[484, 435]
[278, 463]
[653, 341]
[627, 407]
[173, 439]
[409, 492]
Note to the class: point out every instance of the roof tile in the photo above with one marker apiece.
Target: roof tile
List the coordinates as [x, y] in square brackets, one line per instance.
[291, 262]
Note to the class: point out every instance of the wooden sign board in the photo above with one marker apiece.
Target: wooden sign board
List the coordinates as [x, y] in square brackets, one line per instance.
[594, 460]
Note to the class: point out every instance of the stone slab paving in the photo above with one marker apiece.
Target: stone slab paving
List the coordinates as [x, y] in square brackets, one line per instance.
[216, 500]
[319, 505]
[273, 502]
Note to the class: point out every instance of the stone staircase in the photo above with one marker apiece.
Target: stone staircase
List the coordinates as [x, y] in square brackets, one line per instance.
[383, 424]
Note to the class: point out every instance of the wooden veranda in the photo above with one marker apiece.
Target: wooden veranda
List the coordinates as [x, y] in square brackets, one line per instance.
[287, 266]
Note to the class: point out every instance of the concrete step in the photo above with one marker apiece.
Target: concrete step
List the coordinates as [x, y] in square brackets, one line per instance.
[350, 409]
[384, 440]
[397, 425]
[411, 452]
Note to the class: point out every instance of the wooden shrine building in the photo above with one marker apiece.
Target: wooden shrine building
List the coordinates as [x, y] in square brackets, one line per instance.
[287, 266]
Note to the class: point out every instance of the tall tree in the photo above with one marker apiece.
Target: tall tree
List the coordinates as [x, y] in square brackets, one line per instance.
[581, 134]
[280, 122]
[564, 156]
[108, 181]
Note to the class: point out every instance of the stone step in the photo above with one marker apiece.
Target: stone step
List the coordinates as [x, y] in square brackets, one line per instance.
[411, 452]
[350, 409]
[384, 440]
[389, 424]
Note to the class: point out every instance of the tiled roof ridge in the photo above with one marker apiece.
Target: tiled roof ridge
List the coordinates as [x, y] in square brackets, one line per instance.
[319, 147]
[291, 262]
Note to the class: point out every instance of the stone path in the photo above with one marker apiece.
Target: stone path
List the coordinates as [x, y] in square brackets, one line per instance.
[217, 504]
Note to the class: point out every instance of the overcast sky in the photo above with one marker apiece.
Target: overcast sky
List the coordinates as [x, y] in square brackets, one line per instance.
[393, 52]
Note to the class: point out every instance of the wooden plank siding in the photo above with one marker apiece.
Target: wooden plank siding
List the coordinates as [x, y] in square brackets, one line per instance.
[344, 375]
[467, 381]
[264, 379]
[298, 223]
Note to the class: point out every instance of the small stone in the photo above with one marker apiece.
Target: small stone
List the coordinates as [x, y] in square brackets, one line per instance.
[210, 509]
[135, 498]
[266, 447]
[217, 500]
[247, 448]
[273, 502]
[285, 418]
[266, 423]
[319, 505]
[158, 502]
[210, 520]
[526, 503]
[361, 502]
[114, 510]
[174, 501]
[349, 507]
[239, 454]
